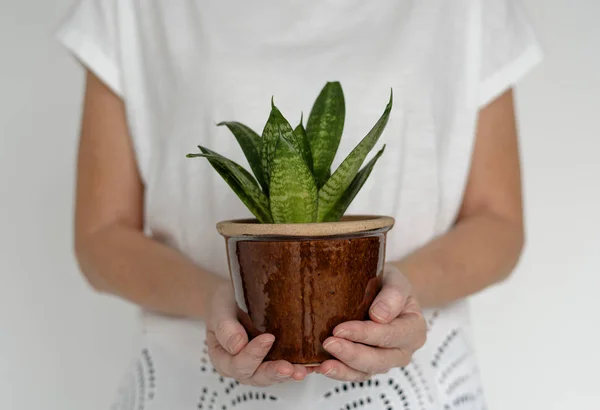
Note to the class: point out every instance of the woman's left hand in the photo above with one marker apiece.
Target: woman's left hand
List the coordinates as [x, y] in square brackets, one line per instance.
[396, 330]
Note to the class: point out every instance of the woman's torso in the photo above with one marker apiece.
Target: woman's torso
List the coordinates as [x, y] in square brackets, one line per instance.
[201, 63]
[187, 66]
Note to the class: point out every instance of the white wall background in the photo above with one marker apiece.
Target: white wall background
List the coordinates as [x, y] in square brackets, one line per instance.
[63, 348]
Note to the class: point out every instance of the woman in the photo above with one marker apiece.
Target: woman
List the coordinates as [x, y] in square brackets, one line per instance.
[162, 73]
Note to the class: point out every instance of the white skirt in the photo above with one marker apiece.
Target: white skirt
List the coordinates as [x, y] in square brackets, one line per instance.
[173, 372]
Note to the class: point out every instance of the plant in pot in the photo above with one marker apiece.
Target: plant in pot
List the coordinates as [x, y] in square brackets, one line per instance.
[302, 267]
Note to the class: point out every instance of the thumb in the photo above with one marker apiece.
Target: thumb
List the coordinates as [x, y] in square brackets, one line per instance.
[223, 321]
[390, 301]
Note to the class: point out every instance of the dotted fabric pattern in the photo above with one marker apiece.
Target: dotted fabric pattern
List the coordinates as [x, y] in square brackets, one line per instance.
[177, 374]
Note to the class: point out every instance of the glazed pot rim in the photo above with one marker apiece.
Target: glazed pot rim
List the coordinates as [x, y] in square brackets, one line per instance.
[350, 224]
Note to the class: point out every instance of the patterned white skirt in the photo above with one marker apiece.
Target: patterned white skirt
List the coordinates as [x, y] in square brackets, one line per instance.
[173, 372]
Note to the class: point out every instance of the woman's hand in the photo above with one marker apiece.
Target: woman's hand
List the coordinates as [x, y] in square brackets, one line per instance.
[231, 353]
[396, 331]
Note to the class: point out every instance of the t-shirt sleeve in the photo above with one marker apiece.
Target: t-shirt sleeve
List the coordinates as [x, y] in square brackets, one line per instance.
[90, 33]
[510, 47]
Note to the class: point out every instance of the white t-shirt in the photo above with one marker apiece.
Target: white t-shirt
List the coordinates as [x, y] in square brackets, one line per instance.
[181, 66]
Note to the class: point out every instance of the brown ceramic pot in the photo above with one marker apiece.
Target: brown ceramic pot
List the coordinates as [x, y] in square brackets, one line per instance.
[299, 281]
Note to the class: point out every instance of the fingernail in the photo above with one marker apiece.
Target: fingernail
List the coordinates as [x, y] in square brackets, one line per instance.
[282, 376]
[381, 311]
[330, 372]
[234, 343]
[333, 346]
[266, 344]
[342, 333]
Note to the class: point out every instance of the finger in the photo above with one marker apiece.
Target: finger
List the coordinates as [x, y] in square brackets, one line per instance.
[391, 299]
[337, 370]
[366, 359]
[246, 362]
[269, 373]
[218, 355]
[409, 330]
[300, 372]
[228, 330]
[412, 306]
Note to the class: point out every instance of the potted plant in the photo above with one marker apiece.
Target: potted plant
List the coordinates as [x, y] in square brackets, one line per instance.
[302, 267]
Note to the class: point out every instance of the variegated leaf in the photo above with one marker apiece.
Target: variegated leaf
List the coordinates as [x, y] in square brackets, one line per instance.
[324, 129]
[301, 143]
[247, 175]
[293, 192]
[359, 180]
[241, 182]
[250, 143]
[270, 137]
[340, 180]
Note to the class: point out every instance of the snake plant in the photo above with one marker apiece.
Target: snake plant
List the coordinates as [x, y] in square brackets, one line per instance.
[292, 181]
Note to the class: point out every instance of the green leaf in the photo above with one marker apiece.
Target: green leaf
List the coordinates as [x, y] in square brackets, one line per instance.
[251, 145]
[340, 180]
[241, 182]
[301, 143]
[359, 180]
[247, 175]
[293, 190]
[324, 129]
[270, 137]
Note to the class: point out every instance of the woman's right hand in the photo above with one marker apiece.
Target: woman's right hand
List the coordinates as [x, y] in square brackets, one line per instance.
[231, 353]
